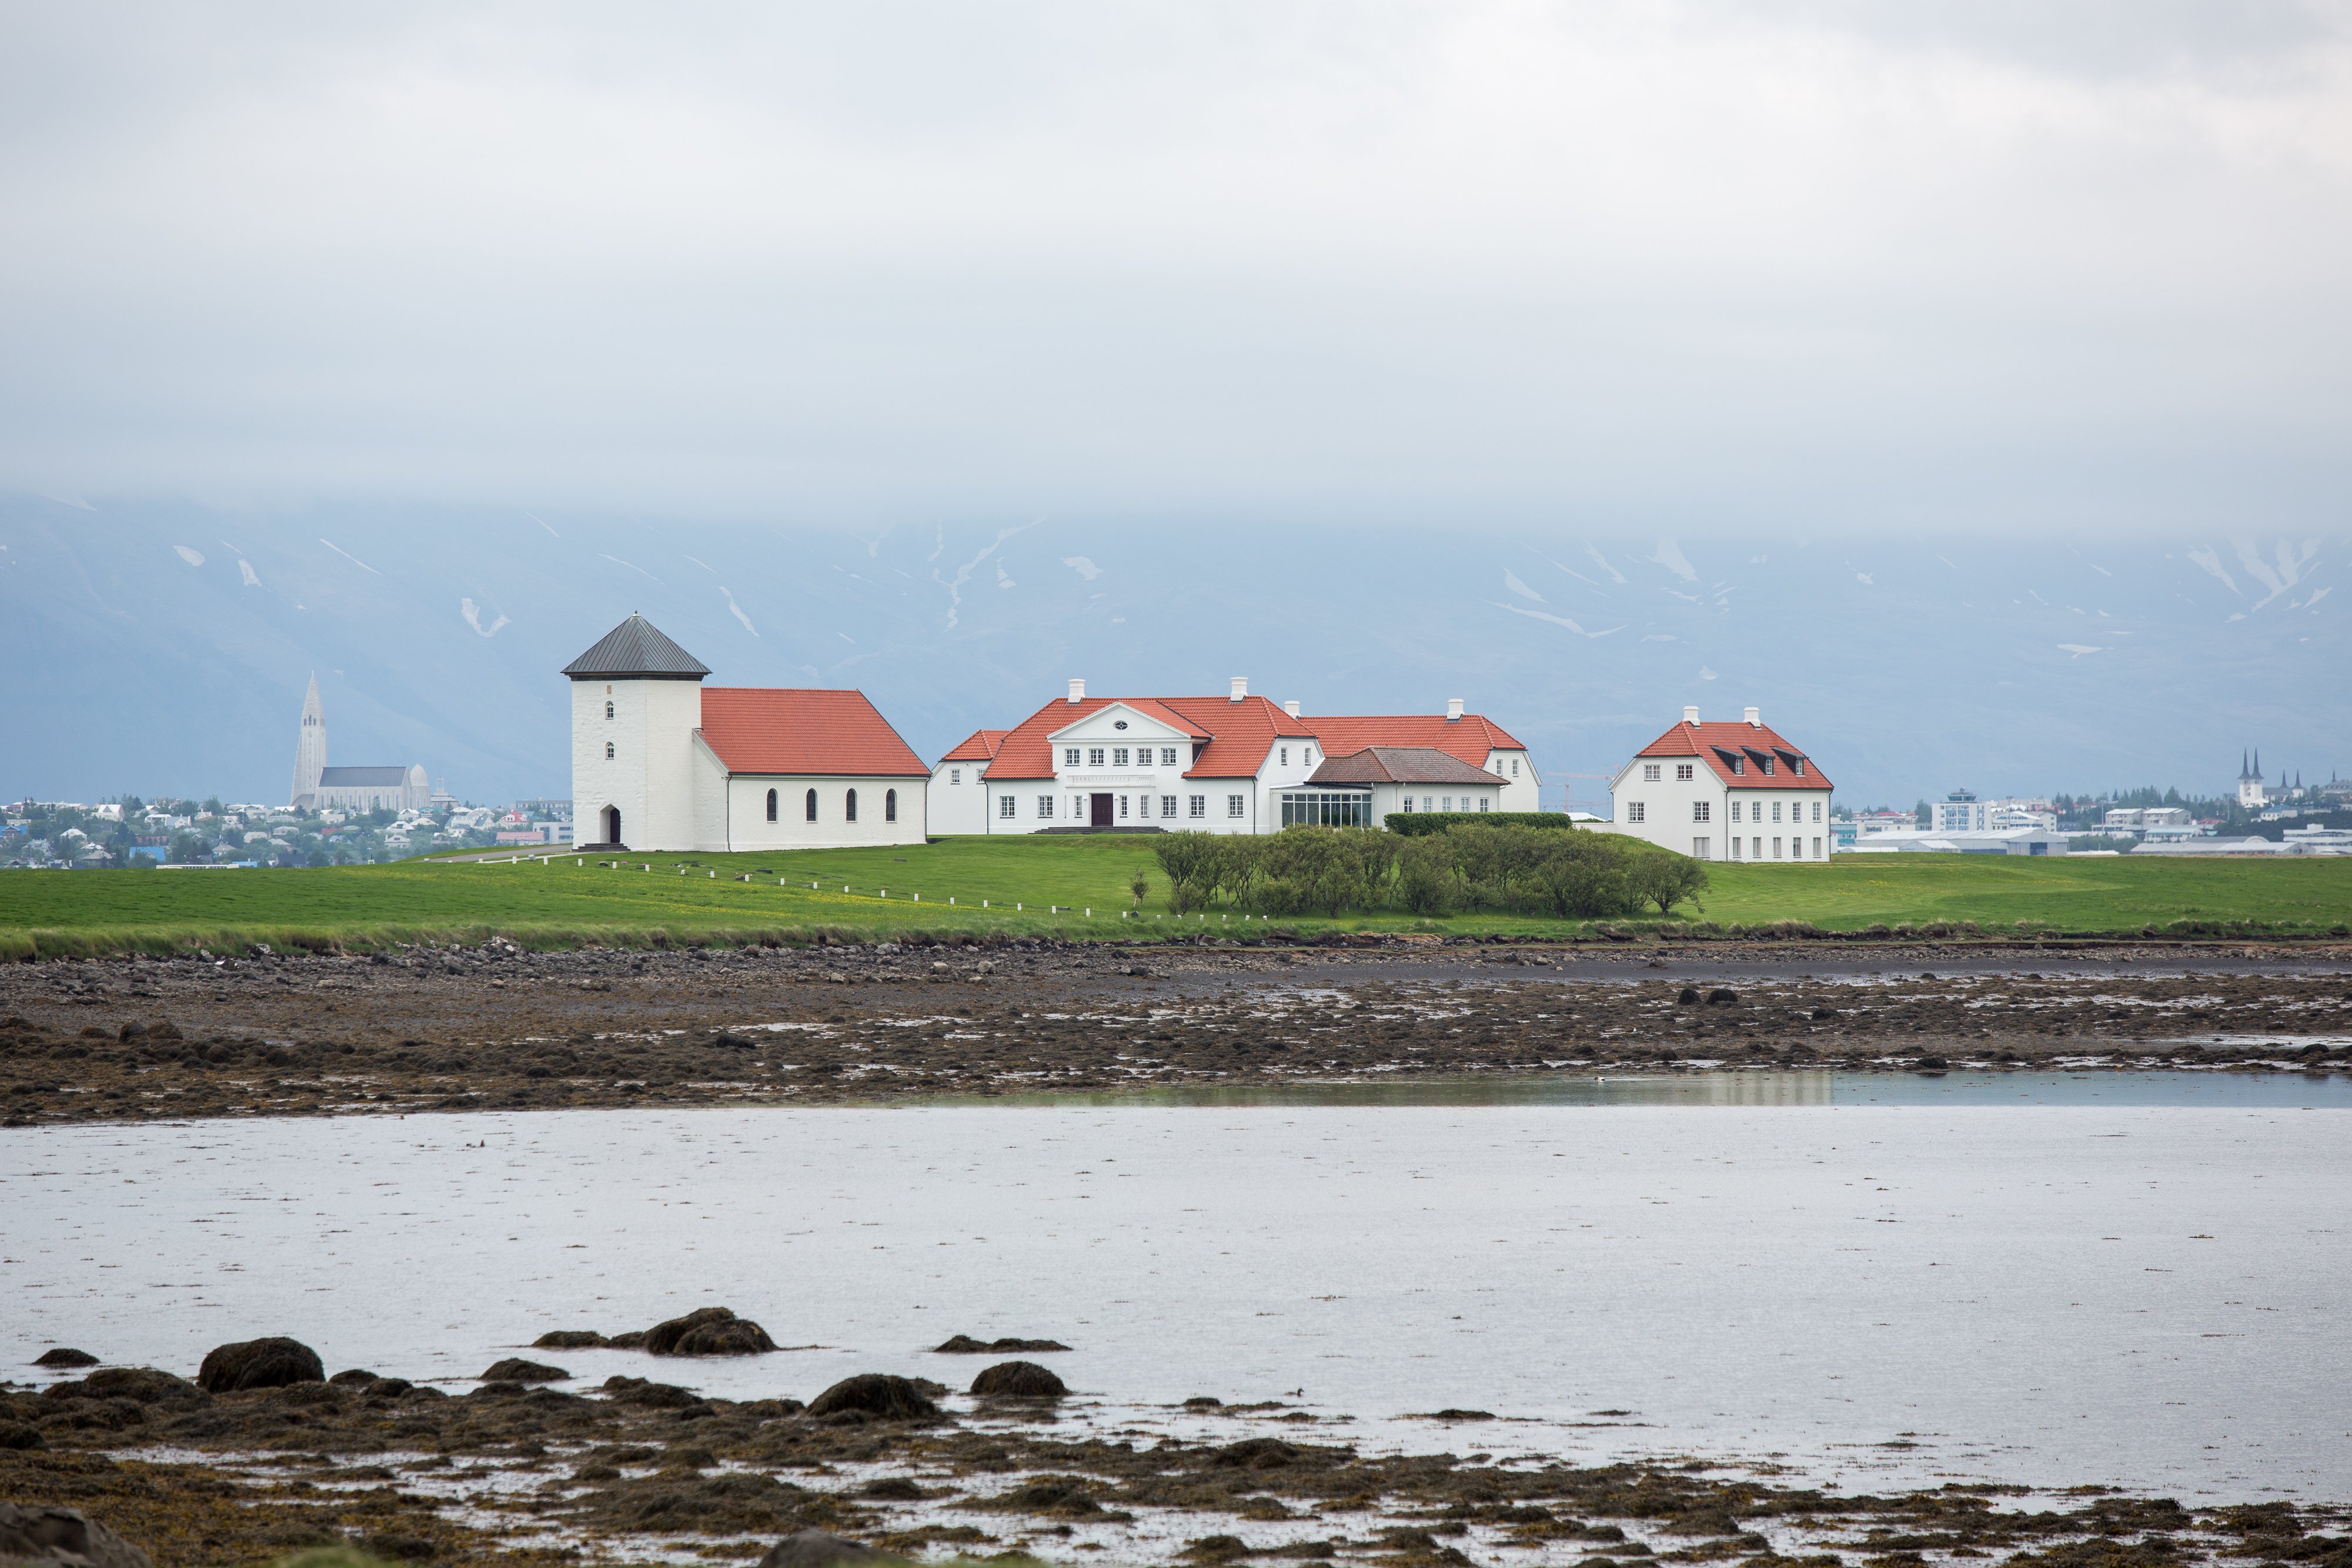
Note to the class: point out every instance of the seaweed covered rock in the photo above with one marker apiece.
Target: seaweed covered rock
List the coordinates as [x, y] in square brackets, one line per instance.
[65, 1356]
[515, 1369]
[965, 1344]
[817, 1548]
[63, 1536]
[711, 1331]
[272, 1363]
[1018, 1380]
[570, 1339]
[875, 1393]
[140, 1385]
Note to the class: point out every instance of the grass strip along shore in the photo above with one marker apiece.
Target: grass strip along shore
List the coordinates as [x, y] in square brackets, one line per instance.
[1079, 888]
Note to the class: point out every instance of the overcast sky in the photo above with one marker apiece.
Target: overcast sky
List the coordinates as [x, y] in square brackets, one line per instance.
[1987, 265]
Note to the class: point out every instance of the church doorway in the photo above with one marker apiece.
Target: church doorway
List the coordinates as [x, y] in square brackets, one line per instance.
[1102, 811]
[613, 825]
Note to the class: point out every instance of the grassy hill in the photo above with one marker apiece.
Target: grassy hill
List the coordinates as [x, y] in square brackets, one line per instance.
[1071, 886]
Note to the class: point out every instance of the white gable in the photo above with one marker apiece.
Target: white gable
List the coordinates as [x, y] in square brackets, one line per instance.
[1116, 722]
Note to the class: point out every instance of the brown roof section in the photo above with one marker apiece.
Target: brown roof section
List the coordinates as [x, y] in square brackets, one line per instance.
[1238, 734]
[1470, 738]
[1758, 747]
[1400, 765]
[763, 729]
[980, 745]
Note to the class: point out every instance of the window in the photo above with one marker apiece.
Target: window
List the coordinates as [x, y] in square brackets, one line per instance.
[608, 710]
[1143, 806]
[1699, 811]
[1005, 805]
[1817, 810]
[1318, 810]
[1448, 806]
[1237, 805]
[1637, 812]
[608, 751]
[1286, 757]
[1766, 763]
[1776, 846]
[1069, 756]
[1798, 767]
[1515, 767]
[808, 807]
[1734, 811]
[771, 805]
[1427, 804]
[1118, 758]
[1045, 806]
[1650, 771]
[1739, 765]
[1683, 771]
[1817, 849]
[955, 775]
[1754, 849]
[1200, 806]
[1166, 805]
[1484, 802]
[889, 805]
[1735, 846]
[1122, 805]
[850, 806]
[1702, 849]
[1167, 756]
[1776, 811]
[1094, 757]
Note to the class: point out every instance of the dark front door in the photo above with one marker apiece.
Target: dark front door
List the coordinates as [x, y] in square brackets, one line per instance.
[1102, 811]
[611, 824]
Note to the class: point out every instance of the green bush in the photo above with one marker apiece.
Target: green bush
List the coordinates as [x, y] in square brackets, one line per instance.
[1418, 824]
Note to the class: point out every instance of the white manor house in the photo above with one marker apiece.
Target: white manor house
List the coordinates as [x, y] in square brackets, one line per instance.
[1724, 790]
[1234, 763]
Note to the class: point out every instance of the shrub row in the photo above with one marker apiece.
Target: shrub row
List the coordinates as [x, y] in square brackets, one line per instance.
[1477, 866]
[1421, 824]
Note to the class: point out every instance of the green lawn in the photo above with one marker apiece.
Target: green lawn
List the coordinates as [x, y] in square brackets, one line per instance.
[681, 900]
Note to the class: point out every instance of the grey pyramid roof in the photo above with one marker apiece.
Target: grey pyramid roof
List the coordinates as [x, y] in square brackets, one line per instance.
[635, 650]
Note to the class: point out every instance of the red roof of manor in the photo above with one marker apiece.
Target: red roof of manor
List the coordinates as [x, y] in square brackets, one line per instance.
[1755, 745]
[1239, 734]
[978, 747]
[1470, 738]
[763, 729]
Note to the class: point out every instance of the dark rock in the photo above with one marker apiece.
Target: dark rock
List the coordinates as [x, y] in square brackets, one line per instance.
[1204, 1401]
[1451, 1414]
[659, 1395]
[1018, 1380]
[571, 1339]
[514, 1369]
[64, 1536]
[711, 1331]
[65, 1356]
[892, 1488]
[965, 1344]
[815, 1549]
[20, 1434]
[875, 1394]
[272, 1363]
[633, 1339]
[1254, 1454]
[141, 1384]
[1687, 995]
[354, 1378]
[131, 1031]
[1931, 1064]
[1722, 997]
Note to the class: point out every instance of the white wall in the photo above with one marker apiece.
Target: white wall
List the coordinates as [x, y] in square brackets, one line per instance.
[1794, 835]
[1522, 790]
[955, 800]
[1667, 802]
[746, 827]
[651, 774]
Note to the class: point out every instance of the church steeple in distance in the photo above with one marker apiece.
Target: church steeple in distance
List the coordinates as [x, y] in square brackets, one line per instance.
[310, 749]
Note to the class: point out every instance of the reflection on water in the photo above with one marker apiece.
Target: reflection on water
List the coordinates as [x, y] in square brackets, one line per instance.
[1817, 1086]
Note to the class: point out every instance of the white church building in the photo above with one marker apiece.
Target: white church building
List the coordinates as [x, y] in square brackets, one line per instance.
[318, 788]
[1235, 764]
[659, 761]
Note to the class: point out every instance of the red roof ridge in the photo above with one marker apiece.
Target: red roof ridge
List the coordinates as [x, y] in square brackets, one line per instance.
[816, 731]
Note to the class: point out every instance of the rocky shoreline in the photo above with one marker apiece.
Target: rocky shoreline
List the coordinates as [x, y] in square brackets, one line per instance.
[245, 1466]
[494, 1027]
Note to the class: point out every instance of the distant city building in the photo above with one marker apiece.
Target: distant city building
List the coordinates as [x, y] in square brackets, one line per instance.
[1992, 842]
[318, 788]
[1724, 791]
[2251, 795]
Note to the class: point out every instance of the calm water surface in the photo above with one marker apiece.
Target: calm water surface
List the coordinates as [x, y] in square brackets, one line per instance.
[1877, 1280]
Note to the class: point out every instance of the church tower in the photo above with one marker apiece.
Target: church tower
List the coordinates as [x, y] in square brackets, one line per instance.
[2251, 794]
[637, 702]
[310, 751]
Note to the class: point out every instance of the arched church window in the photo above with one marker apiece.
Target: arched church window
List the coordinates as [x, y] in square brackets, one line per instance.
[889, 805]
[608, 751]
[608, 710]
[812, 805]
[849, 807]
[771, 805]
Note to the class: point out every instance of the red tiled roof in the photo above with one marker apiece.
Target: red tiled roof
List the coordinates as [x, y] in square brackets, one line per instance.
[1400, 765]
[760, 729]
[1472, 737]
[1239, 734]
[978, 747]
[1753, 742]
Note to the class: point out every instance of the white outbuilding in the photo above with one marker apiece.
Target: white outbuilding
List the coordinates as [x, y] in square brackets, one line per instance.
[1724, 790]
[661, 762]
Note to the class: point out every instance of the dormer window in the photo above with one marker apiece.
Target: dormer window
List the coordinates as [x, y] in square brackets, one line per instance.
[1739, 764]
[1797, 765]
[1768, 765]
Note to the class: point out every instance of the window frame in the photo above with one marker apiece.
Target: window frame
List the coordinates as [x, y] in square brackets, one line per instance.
[771, 805]
[808, 807]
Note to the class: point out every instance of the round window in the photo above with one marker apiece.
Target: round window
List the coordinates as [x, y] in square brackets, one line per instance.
[1118, 724]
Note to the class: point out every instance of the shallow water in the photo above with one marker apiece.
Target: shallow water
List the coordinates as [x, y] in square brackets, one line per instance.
[2135, 1294]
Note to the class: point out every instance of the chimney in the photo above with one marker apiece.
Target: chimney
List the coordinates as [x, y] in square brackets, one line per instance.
[1753, 723]
[1077, 691]
[1452, 710]
[1291, 709]
[1690, 716]
[1241, 688]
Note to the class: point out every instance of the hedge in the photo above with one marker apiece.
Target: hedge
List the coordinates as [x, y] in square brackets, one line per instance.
[1414, 824]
